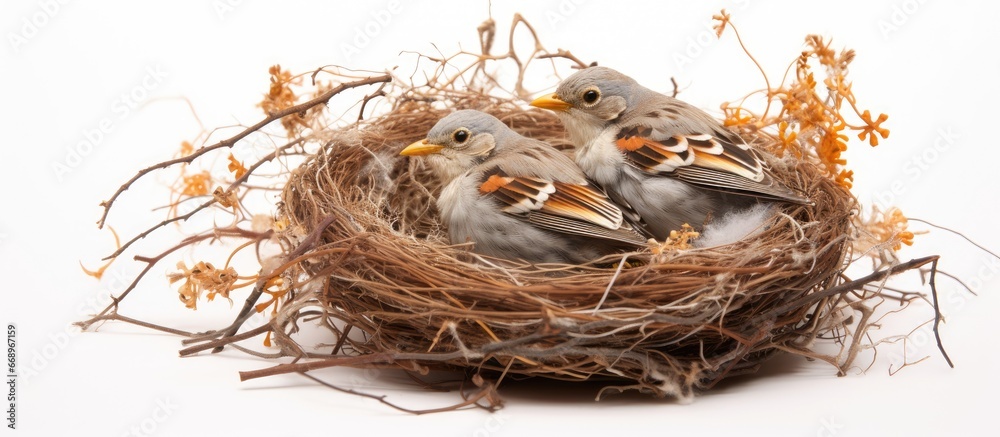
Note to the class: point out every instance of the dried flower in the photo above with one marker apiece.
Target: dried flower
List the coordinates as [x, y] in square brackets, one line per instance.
[280, 96]
[276, 288]
[735, 117]
[196, 184]
[723, 20]
[872, 127]
[97, 274]
[788, 139]
[186, 149]
[226, 198]
[677, 240]
[821, 122]
[883, 234]
[203, 277]
[236, 167]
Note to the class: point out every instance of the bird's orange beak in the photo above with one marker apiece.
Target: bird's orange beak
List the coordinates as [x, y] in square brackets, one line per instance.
[552, 102]
[421, 148]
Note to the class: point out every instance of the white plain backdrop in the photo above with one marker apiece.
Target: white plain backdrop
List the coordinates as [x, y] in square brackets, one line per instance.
[66, 65]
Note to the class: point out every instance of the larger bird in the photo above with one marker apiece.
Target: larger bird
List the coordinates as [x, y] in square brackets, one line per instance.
[672, 162]
[519, 198]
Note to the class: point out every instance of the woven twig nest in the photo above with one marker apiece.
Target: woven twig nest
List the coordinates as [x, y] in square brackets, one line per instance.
[665, 323]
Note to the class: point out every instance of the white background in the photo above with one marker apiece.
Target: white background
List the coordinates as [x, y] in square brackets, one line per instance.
[930, 65]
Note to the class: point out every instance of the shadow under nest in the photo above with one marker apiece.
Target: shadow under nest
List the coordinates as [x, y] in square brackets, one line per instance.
[395, 293]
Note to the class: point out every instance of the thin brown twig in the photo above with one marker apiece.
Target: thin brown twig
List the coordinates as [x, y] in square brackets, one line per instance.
[767, 82]
[380, 92]
[937, 315]
[152, 261]
[566, 54]
[944, 228]
[118, 317]
[382, 358]
[229, 142]
[258, 290]
[856, 284]
[219, 342]
[483, 393]
[212, 200]
[960, 282]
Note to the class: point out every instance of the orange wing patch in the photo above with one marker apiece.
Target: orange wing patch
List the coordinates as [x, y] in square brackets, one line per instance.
[656, 156]
[494, 183]
[631, 144]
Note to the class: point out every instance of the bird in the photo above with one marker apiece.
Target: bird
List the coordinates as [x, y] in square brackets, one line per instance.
[672, 162]
[518, 198]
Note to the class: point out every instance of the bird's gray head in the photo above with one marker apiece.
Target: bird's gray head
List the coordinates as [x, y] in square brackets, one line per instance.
[598, 92]
[461, 140]
[591, 99]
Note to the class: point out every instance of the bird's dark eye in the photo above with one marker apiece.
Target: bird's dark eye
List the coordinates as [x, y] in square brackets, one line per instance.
[460, 135]
[590, 96]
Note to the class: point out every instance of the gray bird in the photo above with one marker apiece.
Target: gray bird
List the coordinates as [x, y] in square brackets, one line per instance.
[519, 198]
[673, 163]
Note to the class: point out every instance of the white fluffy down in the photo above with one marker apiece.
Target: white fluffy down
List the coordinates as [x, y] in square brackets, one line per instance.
[735, 226]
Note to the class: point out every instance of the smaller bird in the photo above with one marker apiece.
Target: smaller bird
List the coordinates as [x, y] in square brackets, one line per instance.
[519, 198]
[670, 161]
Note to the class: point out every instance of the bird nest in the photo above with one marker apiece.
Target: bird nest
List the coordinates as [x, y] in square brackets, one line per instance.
[667, 319]
[364, 256]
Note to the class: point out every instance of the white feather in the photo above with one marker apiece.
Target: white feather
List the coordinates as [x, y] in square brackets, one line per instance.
[735, 226]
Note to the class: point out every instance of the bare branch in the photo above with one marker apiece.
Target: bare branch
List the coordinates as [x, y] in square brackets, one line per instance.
[229, 142]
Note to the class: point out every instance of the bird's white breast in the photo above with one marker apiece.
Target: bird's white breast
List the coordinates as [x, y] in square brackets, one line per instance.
[600, 159]
[453, 206]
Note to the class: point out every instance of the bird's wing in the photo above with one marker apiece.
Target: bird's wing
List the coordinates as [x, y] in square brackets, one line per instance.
[711, 160]
[576, 209]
